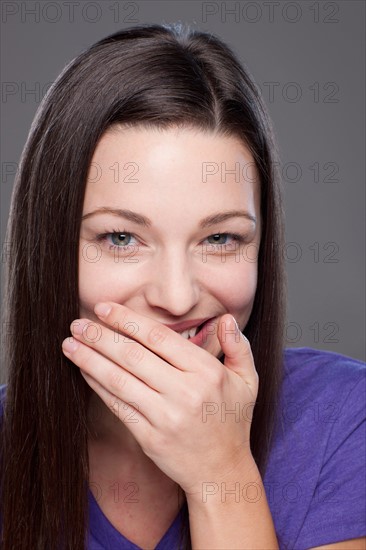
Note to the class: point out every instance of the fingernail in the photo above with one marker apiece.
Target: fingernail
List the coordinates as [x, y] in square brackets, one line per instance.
[102, 310]
[77, 326]
[238, 329]
[69, 346]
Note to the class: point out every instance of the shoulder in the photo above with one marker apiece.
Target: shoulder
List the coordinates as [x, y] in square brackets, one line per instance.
[310, 374]
[322, 399]
[314, 479]
[302, 362]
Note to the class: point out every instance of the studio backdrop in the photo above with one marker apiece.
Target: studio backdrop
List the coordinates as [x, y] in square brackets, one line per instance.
[308, 60]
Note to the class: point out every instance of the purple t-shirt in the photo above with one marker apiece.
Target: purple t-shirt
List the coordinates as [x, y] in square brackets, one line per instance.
[315, 481]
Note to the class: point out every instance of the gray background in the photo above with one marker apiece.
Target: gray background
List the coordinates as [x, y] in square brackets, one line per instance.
[308, 59]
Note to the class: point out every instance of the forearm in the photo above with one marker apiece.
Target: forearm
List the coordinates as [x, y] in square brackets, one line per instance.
[232, 513]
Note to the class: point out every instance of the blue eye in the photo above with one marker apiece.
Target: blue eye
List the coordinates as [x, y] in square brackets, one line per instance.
[119, 239]
[236, 238]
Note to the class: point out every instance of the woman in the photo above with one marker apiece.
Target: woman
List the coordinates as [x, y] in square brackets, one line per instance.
[150, 199]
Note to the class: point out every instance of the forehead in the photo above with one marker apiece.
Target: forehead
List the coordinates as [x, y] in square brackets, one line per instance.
[171, 169]
[160, 147]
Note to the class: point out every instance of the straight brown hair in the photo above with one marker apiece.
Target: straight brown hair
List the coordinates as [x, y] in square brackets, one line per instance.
[159, 76]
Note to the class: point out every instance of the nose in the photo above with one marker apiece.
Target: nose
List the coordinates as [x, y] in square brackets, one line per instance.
[173, 285]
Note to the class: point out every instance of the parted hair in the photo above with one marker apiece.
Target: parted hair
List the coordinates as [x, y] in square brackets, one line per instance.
[155, 76]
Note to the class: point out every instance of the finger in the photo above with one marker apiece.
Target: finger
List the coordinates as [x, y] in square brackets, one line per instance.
[161, 340]
[115, 380]
[237, 350]
[125, 412]
[125, 352]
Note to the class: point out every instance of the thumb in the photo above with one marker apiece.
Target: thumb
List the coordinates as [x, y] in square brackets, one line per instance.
[237, 350]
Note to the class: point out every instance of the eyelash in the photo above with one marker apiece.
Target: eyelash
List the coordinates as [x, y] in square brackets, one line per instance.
[240, 239]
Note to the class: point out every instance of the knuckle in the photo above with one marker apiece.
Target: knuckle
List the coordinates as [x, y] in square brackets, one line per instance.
[195, 400]
[216, 377]
[117, 380]
[157, 441]
[175, 422]
[157, 335]
[135, 354]
[121, 322]
[256, 378]
[86, 357]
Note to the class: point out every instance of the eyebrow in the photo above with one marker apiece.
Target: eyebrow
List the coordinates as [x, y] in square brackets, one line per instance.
[139, 219]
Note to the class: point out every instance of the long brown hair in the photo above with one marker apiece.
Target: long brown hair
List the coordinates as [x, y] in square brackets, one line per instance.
[156, 76]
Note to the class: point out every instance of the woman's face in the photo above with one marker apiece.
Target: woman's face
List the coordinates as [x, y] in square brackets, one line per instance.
[170, 191]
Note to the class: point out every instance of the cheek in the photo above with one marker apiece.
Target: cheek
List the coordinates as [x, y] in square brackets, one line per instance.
[101, 281]
[236, 288]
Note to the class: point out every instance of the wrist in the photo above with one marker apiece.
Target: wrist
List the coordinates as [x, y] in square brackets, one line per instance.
[232, 511]
[241, 483]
